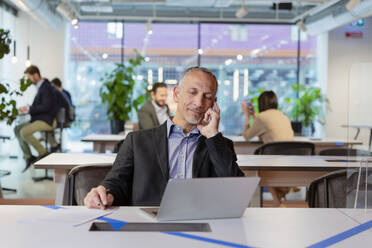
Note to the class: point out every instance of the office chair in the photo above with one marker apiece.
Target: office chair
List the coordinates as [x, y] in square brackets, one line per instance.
[286, 148]
[283, 148]
[61, 117]
[338, 189]
[344, 152]
[5, 172]
[82, 179]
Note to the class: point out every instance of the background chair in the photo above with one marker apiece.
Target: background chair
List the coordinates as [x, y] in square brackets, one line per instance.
[286, 148]
[5, 172]
[82, 179]
[344, 152]
[61, 118]
[283, 148]
[338, 189]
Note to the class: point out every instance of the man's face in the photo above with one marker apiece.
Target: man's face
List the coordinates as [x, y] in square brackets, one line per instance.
[160, 96]
[34, 78]
[195, 96]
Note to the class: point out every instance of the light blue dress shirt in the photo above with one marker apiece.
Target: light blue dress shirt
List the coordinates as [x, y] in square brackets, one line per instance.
[181, 149]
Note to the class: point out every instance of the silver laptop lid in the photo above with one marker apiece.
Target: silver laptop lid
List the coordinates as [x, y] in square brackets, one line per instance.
[206, 198]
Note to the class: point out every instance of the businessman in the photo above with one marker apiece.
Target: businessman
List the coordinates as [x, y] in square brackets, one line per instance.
[188, 146]
[156, 112]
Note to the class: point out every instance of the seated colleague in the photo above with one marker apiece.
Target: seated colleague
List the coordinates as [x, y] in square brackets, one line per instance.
[188, 146]
[42, 113]
[58, 85]
[271, 124]
[156, 112]
[69, 107]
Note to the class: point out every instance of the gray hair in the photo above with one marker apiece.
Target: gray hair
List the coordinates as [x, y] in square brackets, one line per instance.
[200, 69]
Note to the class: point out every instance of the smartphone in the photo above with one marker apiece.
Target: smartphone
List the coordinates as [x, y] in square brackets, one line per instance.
[247, 103]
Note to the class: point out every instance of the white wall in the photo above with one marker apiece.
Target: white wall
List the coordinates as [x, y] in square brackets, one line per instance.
[46, 51]
[343, 53]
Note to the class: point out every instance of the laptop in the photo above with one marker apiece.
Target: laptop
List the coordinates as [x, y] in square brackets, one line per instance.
[205, 198]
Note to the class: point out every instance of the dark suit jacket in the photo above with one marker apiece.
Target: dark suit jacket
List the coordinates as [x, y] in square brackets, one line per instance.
[43, 107]
[68, 95]
[141, 171]
[147, 117]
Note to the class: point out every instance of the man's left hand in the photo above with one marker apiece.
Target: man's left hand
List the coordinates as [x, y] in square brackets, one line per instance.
[209, 125]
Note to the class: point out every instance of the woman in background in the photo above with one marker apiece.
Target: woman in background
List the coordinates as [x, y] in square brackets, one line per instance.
[270, 124]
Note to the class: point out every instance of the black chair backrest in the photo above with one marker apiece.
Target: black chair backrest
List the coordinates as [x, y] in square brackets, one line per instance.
[82, 179]
[344, 152]
[338, 189]
[286, 148]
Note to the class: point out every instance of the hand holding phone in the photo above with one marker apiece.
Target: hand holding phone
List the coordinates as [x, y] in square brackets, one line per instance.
[208, 126]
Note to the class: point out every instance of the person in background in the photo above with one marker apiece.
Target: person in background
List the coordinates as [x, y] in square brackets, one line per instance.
[156, 112]
[58, 85]
[188, 146]
[270, 125]
[42, 113]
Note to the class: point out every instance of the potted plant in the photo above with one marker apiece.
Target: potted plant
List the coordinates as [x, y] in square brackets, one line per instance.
[8, 106]
[307, 107]
[117, 92]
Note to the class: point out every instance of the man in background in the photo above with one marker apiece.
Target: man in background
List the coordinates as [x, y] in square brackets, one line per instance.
[156, 112]
[42, 111]
[58, 85]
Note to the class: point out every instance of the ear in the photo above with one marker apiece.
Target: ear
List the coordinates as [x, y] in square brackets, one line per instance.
[176, 93]
[152, 94]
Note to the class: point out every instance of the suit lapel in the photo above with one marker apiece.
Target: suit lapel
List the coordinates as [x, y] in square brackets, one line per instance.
[160, 143]
[199, 156]
[153, 114]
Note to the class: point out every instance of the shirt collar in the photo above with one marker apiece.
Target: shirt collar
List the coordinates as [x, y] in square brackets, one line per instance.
[38, 84]
[171, 126]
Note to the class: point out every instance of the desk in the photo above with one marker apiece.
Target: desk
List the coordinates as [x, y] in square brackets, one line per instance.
[243, 146]
[274, 170]
[101, 142]
[62, 163]
[358, 127]
[290, 171]
[257, 228]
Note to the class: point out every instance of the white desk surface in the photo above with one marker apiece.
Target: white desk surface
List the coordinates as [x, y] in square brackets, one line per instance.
[283, 161]
[324, 141]
[103, 138]
[70, 160]
[260, 227]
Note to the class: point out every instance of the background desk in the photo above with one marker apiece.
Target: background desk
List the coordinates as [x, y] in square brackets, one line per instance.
[62, 163]
[257, 228]
[290, 171]
[243, 146]
[103, 142]
[274, 170]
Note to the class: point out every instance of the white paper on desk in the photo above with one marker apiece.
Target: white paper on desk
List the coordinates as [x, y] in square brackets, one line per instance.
[67, 216]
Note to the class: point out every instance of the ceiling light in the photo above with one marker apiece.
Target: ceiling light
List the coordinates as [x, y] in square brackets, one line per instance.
[28, 63]
[242, 11]
[65, 11]
[147, 59]
[351, 4]
[14, 59]
[105, 56]
[75, 21]
[148, 27]
[302, 26]
[200, 51]
[97, 8]
[76, 26]
[239, 57]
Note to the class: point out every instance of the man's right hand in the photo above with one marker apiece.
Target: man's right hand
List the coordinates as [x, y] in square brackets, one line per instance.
[98, 198]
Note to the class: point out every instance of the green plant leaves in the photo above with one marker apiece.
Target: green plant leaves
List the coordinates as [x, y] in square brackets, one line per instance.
[117, 90]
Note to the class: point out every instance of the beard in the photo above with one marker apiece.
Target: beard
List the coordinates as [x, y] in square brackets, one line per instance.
[160, 103]
[194, 120]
